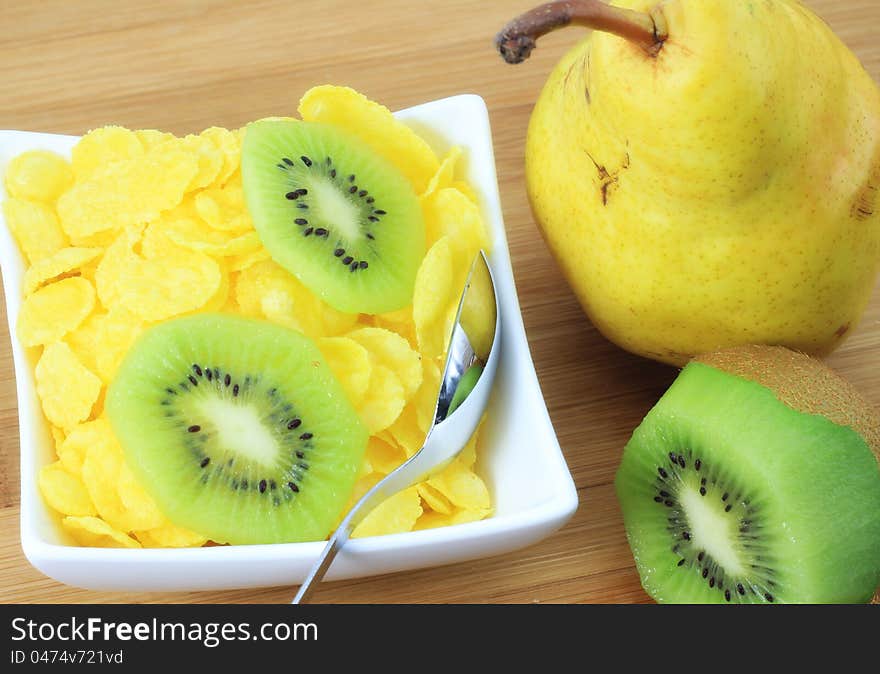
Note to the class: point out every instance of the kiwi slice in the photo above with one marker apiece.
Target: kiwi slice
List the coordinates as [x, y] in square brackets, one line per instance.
[753, 481]
[237, 428]
[334, 213]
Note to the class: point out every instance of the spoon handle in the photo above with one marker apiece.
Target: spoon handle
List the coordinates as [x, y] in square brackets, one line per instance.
[397, 480]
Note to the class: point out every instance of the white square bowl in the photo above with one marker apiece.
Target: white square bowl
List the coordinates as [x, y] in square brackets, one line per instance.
[532, 490]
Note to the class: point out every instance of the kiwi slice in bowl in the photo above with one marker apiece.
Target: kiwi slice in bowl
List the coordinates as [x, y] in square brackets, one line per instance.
[331, 211]
[753, 481]
[237, 428]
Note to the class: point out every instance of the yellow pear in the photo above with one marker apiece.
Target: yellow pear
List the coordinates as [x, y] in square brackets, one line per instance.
[706, 172]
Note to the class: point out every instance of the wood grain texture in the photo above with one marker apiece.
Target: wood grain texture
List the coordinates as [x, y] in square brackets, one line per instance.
[67, 67]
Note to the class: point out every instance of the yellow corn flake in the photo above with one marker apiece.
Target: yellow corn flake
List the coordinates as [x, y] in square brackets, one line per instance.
[35, 228]
[119, 500]
[336, 322]
[468, 455]
[170, 536]
[58, 437]
[384, 400]
[400, 321]
[129, 192]
[229, 144]
[173, 281]
[350, 363]
[209, 158]
[406, 431]
[375, 124]
[449, 213]
[102, 147]
[265, 290]
[53, 311]
[239, 263]
[61, 263]
[396, 514]
[221, 297]
[223, 209]
[433, 520]
[435, 500]
[93, 532]
[117, 331]
[467, 190]
[425, 401]
[382, 456]
[150, 138]
[196, 235]
[38, 175]
[462, 487]
[65, 492]
[394, 352]
[445, 174]
[141, 511]
[72, 451]
[67, 390]
[432, 297]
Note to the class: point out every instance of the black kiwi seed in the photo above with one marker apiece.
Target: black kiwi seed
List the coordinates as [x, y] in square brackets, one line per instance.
[287, 161]
[702, 491]
[235, 390]
[293, 423]
[697, 464]
[353, 266]
[362, 194]
[306, 436]
[307, 231]
[370, 200]
[364, 264]
[205, 461]
[372, 218]
[658, 499]
[194, 429]
[193, 380]
[727, 595]
[227, 380]
[300, 454]
[339, 252]
[352, 189]
[292, 486]
[333, 173]
[197, 370]
[320, 231]
[370, 236]
[301, 221]
[306, 160]
[209, 375]
[292, 195]
[351, 178]
[740, 589]
[379, 211]
[347, 259]
[262, 486]
[662, 472]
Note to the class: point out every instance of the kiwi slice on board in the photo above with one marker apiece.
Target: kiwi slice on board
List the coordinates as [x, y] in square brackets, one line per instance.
[753, 481]
[331, 211]
[237, 428]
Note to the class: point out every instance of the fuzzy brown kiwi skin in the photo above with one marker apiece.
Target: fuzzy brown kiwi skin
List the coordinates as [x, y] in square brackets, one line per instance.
[804, 384]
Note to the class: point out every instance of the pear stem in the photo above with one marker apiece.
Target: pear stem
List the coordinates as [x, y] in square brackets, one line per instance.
[517, 39]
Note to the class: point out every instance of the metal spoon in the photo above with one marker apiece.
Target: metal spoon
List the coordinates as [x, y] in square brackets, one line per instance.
[471, 362]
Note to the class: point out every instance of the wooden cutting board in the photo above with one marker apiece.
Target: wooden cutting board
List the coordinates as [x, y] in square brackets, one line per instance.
[67, 67]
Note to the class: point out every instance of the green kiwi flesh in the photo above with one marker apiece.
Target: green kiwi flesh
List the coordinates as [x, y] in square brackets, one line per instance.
[331, 211]
[237, 428]
[729, 495]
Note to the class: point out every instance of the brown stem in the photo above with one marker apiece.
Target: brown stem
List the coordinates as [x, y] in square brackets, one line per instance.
[517, 38]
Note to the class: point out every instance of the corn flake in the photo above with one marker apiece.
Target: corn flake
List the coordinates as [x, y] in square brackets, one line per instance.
[350, 363]
[384, 400]
[382, 456]
[445, 174]
[65, 492]
[168, 535]
[432, 297]
[38, 175]
[93, 532]
[53, 311]
[394, 352]
[61, 263]
[35, 228]
[130, 192]
[373, 123]
[104, 146]
[462, 487]
[66, 388]
[395, 515]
